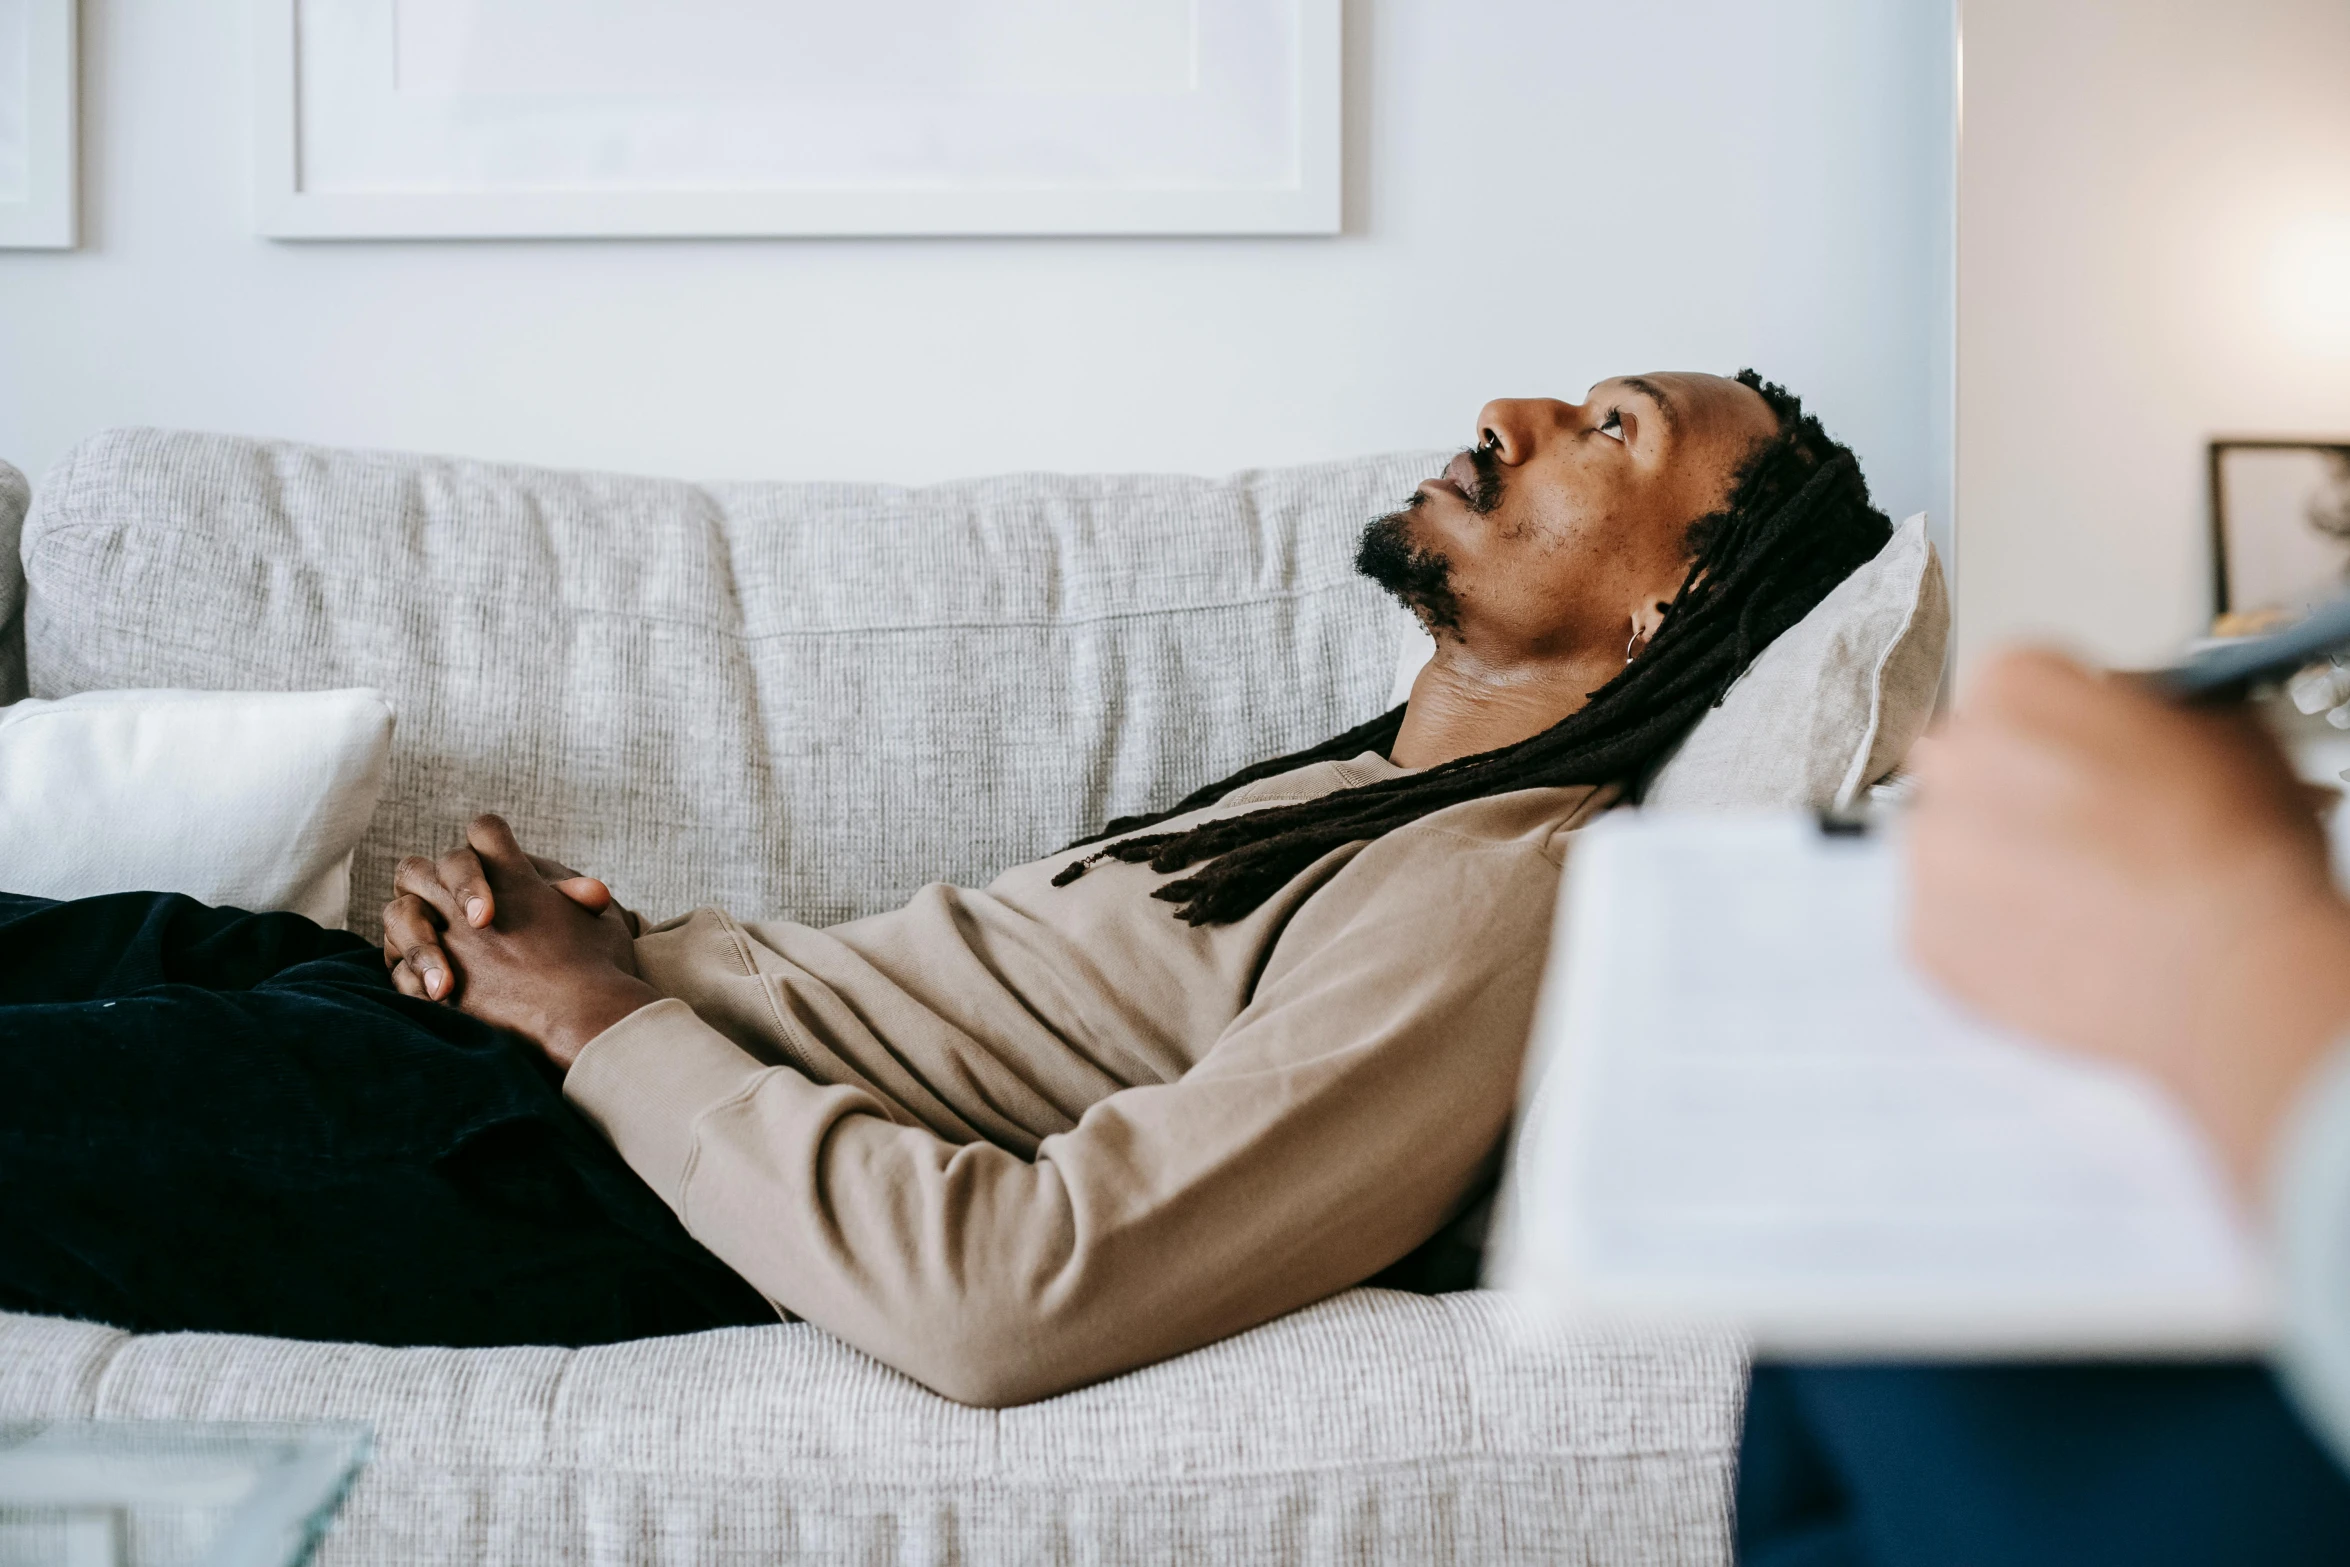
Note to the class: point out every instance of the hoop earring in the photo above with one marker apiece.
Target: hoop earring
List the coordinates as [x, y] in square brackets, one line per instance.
[1630, 643]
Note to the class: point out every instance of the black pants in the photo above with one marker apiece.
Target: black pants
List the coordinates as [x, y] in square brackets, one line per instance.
[224, 1121]
[2033, 1466]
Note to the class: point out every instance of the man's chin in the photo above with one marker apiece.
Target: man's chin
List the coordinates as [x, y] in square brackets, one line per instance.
[1420, 578]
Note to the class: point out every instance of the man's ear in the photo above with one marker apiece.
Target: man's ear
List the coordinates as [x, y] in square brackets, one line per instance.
[1647, 615]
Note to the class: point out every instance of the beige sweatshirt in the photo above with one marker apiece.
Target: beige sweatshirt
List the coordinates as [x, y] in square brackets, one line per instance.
[1016, 1140]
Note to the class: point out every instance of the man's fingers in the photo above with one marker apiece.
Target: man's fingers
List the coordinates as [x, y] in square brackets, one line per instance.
[552, 870]
[495, 842]
[404, 981]
[412, 941]
[589, 893]
[469, 885]
[586, 891]
[418, 877]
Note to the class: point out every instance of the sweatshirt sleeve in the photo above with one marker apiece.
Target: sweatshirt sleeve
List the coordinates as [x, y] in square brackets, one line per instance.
[2311, 1185]
[1336, 1124]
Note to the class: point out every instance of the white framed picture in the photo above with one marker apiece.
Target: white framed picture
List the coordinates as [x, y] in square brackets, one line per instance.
[37, 81]
[556, 118]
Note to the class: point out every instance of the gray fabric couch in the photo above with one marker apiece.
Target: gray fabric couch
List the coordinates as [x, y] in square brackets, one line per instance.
[808, 699]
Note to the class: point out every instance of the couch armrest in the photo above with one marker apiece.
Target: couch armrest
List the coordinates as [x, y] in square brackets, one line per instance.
[16, 498]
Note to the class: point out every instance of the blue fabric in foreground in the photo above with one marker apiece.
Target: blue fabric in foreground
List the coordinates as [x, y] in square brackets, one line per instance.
[1939, 1466]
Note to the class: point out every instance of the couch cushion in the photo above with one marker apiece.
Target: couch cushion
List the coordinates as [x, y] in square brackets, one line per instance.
[791, 699]
[1375, 1427]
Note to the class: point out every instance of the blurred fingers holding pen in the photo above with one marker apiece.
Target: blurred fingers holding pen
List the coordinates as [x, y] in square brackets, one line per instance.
[2102, 868]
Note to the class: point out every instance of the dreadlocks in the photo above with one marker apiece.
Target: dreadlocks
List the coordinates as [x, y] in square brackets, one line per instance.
[1798, 522]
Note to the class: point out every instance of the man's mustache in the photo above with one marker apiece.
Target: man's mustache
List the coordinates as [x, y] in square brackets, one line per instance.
[1482, 486]
[1486, 494]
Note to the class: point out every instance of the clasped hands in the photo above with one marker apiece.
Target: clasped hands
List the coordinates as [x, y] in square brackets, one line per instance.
[515, 940]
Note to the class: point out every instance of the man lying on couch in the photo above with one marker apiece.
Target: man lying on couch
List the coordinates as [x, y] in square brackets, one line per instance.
[1216, 1063]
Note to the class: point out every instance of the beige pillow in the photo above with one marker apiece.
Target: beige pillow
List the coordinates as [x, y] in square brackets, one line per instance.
[1834, 704]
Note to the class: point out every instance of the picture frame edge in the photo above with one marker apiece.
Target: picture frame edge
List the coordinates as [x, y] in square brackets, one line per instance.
[277, 110]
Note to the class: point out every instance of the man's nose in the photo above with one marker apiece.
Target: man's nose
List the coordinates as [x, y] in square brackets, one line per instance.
[1515, 427]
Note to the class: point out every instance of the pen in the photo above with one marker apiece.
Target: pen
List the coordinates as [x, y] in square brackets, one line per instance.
[2224, 674]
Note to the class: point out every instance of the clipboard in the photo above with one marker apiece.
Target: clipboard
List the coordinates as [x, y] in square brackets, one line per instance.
[1744, 1109]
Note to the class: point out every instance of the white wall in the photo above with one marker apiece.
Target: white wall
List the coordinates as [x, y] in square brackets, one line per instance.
[1540, 193]
[2141, 187]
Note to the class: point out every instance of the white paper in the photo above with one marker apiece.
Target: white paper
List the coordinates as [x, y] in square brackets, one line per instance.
[1749, 1110]
[457, 48]
[428, 97]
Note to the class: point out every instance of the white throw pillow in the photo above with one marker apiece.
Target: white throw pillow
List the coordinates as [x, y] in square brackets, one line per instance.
[1826, 710]
[244, 799]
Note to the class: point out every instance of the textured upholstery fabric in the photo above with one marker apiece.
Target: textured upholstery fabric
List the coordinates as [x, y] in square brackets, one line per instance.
[15, 495]
[801, 700]
[808, 699]
[1375, 1427]
[1834, 704]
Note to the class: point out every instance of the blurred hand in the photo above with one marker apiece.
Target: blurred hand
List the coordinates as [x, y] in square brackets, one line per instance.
[520, 942]
[2102, 869]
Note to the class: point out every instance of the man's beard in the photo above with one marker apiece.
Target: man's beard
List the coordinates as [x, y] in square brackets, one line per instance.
[1421, 579]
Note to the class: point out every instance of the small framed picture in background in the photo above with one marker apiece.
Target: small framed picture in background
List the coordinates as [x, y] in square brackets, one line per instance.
[2280, 530]
[37, 122]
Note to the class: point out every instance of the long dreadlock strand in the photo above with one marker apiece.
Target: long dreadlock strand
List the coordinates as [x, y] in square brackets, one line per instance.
[1377, 735]
[1798, 522]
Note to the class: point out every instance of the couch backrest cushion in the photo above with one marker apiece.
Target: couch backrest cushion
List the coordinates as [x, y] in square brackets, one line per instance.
[15, 495]
[793, 699]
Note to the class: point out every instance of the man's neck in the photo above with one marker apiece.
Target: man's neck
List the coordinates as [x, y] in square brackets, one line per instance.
[1462, 705]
